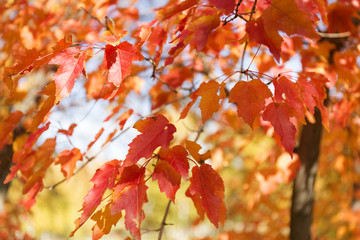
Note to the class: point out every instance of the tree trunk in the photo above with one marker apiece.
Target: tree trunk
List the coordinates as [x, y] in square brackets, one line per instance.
[5, 163]
[303, 188]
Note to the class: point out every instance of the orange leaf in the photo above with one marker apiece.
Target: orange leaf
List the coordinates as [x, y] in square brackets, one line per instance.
[8, 126]
[104, 221]
[174, 9]
[250, 99]
[206, 185]
[68, 159]
[155, 131]
[228, 5]
[194, 149]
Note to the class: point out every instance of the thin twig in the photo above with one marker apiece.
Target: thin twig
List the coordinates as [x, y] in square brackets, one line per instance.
[163, 222]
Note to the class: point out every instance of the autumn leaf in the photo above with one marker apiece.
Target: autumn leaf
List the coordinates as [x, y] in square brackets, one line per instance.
[281, 15]
[250, 99]
[71, 61]
[103, 179]
[97, 136]
[68, 159]
[209, 102]
[130, 195]
[228, 5]
[168, 178]
[202, 27]
[7, 126]
[278, 114]
[104, 221]
[177, 158]
[32, 187]
[118, 60]
[155, 131]
[291, 92]
[207, 187]
[173, 9]
[194, 149]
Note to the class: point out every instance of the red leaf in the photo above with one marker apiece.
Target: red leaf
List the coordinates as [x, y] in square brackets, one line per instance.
[155, 131]
[68, 159]
[103, 179]
[202, 27]
[206, 185]
[285, 87]
[250, 99]
[278, 114]
[177, 158]
[228, 5]
[168, 179]
[130, 195]
[71, 62]
[257, 33]
[118, 60]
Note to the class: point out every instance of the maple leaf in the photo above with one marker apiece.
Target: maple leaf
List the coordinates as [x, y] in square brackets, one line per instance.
[194, 149]
[124, 117]
[71, 61]
[130, 195]
[202, 28]
[68, 159]
[97, 136]
[281, 15]
[20, 156]
[250, 99]
[228, 5]
[8, 126]
[173, 9]
[209, 103]
[177, 158]
[50, 91]
[207, 187]
[168, 179]
[283, 86]
[104, 221]
[155, 131]
[278, 114]
[103, 179]
[313, 93]
[32, 187]
[118, 60]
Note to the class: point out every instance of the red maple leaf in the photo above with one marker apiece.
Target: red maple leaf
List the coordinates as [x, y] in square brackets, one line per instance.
[168, 178]
[103, 179]
[118, 60]
[71, 62]
[278, 114]
[207, 188]
[228, 5]
[155, 131]
[177, 158]
[130, 195]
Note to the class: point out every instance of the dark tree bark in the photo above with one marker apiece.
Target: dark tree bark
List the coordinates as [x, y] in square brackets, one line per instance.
[303, 188]
[5, 163]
